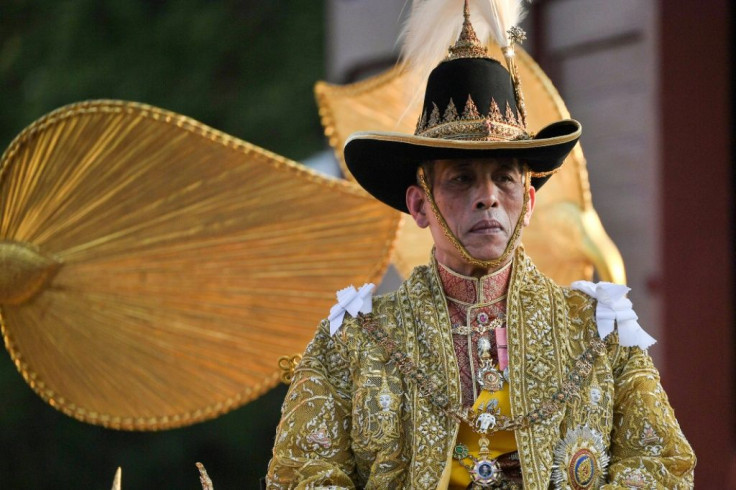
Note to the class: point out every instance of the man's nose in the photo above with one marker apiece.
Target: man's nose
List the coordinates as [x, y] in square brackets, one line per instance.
[487, 195]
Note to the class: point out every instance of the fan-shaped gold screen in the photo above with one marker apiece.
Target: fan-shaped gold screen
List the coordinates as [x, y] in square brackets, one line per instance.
[565, 238]
[154, 269]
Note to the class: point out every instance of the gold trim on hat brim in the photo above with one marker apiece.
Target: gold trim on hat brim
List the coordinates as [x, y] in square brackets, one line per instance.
[469, 144]
[384, 163]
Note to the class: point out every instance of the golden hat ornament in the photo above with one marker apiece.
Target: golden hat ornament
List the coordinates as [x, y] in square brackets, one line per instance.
[473, 108]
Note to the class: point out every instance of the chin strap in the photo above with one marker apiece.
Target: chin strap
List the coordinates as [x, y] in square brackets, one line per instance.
[510, 245]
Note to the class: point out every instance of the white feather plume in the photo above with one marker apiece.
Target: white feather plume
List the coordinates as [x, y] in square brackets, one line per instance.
[434, 25]
[501, 15]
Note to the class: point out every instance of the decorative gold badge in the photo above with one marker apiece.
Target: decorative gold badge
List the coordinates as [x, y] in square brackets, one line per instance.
[580, 460]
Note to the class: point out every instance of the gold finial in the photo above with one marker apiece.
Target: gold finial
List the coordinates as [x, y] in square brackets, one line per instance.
[117, 481]
[204, 478]
[516, 35]
[467, 45]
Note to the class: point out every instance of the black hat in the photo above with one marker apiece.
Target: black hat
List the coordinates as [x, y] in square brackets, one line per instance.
[472, 109]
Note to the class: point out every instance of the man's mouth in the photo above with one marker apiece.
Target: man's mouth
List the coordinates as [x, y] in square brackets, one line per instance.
[487, 226]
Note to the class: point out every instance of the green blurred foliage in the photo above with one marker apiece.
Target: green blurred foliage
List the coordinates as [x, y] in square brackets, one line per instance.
[43, 449]
[244, 67]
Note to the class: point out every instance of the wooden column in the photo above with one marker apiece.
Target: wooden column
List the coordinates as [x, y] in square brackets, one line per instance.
[697, 235]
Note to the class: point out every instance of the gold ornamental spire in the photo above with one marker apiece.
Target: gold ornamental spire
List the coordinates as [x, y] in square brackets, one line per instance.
[467, 45]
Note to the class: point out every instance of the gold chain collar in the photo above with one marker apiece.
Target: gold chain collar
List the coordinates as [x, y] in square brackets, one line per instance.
[437, 396]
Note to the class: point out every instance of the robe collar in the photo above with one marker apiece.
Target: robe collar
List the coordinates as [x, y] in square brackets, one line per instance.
[473, 290]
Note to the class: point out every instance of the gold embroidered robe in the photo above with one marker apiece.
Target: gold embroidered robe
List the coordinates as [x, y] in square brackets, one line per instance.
[351, 419]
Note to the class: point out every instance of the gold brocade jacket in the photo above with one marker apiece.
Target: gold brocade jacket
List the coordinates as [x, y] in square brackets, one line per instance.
[351, 419]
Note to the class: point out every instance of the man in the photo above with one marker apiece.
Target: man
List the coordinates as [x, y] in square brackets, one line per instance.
[478, 372]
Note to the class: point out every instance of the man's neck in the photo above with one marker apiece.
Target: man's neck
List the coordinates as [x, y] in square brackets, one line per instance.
[460, 266]
[471, 290]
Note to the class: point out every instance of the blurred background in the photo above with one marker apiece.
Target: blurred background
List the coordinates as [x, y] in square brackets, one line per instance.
[650, 81]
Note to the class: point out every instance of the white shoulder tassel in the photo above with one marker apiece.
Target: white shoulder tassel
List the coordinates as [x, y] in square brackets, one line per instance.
[350, 300]
[615, 309]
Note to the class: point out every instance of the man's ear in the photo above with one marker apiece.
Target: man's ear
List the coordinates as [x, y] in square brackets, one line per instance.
[530, 207]
[415, 202]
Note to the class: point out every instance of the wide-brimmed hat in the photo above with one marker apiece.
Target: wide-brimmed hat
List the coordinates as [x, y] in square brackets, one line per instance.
[472, 108]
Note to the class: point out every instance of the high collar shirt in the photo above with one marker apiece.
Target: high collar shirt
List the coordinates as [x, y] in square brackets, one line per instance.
[475, 303]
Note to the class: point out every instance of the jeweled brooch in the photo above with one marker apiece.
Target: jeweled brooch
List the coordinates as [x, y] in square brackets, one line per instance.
[580, 460]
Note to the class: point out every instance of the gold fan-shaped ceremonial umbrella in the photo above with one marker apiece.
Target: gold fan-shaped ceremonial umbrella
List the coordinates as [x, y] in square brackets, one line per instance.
[154, 269]
[565, 238]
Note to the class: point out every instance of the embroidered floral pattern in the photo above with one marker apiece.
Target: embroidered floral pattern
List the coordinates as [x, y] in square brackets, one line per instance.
[340, 381]
[473, 302]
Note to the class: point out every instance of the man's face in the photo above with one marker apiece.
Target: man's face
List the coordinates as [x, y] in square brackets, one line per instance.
[480, 199]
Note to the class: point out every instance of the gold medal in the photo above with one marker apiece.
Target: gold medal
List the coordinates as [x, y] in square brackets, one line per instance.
[489, 378]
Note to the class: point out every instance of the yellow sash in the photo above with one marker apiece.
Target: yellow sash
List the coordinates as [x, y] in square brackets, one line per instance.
[502, 442]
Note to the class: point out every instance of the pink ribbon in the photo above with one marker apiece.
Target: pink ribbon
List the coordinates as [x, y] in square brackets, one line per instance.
[502, 348]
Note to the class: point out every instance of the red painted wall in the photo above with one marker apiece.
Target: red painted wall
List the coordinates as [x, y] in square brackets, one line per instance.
[697, 232]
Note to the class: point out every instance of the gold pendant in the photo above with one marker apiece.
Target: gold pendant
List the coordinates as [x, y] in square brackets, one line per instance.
[490, 378]
[485, 419]
[484, 471]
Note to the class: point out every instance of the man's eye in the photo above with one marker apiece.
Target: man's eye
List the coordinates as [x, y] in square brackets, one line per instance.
[460, 178]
